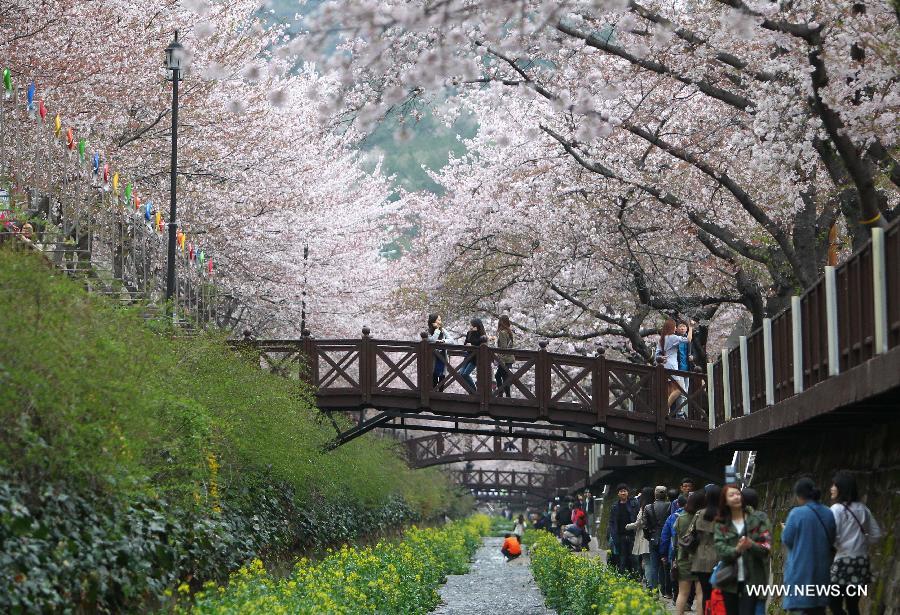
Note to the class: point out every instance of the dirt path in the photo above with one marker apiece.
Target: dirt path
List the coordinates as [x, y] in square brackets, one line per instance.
[493, 586]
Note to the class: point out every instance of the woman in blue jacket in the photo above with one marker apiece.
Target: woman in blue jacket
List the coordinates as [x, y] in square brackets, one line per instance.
[808, 534]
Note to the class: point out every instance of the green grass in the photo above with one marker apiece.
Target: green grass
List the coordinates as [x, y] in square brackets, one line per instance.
[91, 395]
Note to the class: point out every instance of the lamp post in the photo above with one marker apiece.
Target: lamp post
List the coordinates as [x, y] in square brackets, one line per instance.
[305, 282]
[174, 61]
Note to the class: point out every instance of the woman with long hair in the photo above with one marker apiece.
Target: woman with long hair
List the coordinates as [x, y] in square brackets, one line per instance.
[436, 334]
[743, 542]
[505, 362]
[705, 557]
[857, 529]
[519, 529]
[473, 338]
[685, 525]
[668, 348]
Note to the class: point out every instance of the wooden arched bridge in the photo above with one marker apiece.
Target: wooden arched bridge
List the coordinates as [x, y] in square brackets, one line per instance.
[581, 393]
[445, 448]
[552, 396]
[488, 483]
[833, 358]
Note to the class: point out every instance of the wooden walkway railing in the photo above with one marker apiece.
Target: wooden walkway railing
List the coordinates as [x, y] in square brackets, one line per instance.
[568, 390]
[545, 483]
[444, 448]
[848, 317]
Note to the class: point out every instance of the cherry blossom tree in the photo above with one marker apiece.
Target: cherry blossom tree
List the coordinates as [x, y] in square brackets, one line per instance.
[264, 171]
[637, 158]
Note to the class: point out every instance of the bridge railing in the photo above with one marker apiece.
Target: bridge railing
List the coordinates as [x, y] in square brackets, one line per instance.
[543, 386]
[849, 316]
[440, 448]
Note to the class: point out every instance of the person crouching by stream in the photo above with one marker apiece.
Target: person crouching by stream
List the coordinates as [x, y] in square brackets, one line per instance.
[511, 548]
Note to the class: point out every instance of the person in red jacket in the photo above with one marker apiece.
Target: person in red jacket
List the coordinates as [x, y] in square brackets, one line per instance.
[580, 519]
[511, 547]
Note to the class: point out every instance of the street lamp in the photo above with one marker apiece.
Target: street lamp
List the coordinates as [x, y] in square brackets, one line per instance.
[174, 64]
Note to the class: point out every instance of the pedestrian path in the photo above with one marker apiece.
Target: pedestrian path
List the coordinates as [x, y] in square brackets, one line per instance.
[492, 586]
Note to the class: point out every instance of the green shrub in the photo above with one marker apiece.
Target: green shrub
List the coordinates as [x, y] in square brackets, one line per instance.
[156, 457]
[394, 577]
[91, 395]
[573, 584]
[501, 525]
[58, 548]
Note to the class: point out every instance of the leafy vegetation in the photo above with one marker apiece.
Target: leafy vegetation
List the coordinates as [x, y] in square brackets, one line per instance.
[501, 525]
[392, 577]
[574, 585]
[130, 457]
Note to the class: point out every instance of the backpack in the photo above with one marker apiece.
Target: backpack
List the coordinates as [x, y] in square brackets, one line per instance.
[715, 605]
[653, 533]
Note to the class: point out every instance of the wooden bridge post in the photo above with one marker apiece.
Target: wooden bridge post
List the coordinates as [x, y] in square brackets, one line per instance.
[768, 361]
[310, 352]
[879, 291]
[661, 389]
[600, 386]
[711, 393]
[797, 338]
[726, 384]
[745, 374]
[366, 365]
[542, 381]
[831, 321]
[425, 364]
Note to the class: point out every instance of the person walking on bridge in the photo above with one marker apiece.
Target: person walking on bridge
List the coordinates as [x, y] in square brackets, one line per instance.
[436, 334]
[668, 348]
[505, 340]
[473, 338]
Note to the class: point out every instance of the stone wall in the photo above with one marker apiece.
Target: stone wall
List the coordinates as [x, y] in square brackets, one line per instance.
[872, 452]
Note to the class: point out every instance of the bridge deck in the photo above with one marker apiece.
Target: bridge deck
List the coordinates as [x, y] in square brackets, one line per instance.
[565, 390]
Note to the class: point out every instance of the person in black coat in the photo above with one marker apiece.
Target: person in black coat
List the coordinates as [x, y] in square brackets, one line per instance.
[473, 338]
[620, 539]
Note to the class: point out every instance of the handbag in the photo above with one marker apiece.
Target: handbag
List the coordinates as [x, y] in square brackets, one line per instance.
[726, 573]
[688, 541]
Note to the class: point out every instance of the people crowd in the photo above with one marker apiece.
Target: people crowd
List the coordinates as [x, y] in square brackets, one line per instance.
[676, 349]
[475, 336]
[707, 547]
[702, 548]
